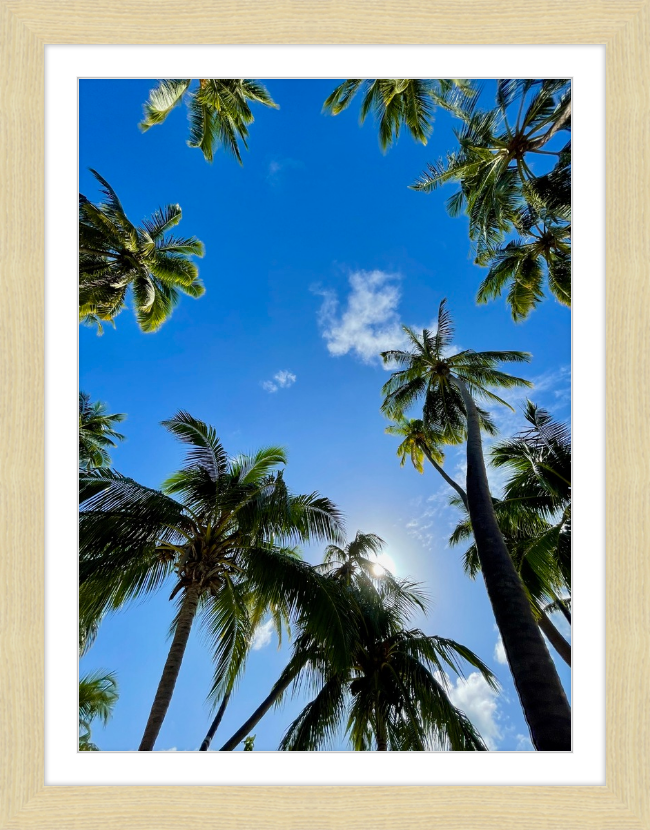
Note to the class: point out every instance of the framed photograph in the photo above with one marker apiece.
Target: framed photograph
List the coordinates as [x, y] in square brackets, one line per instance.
[596, 781]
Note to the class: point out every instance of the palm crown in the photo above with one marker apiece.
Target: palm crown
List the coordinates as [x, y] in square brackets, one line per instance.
[501, 194]
[539, 462]
[539, 458]
[219, 110]
[96, 432]
[429, 372]
[418, 442]
[98, 694]
[115, 255]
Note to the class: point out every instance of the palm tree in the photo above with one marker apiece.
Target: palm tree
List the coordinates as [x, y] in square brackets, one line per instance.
[98, 695]
[397, 102]
[501, 194]
[222, 540]
[96, 432]
[448, 384]
[420, 443]
[115, 255]
[393, 686]
[219, 110]
[343, 563]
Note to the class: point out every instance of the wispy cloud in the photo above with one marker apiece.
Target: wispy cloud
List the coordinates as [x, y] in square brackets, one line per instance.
[262, 635]
[369, 324]
[420, 529]
[281, 380]
[278, 167]
[436, 519]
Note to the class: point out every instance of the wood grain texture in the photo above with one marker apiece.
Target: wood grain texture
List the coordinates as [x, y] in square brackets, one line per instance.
[25, 27]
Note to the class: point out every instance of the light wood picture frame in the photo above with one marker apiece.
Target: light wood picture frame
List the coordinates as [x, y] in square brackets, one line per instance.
[26, 26]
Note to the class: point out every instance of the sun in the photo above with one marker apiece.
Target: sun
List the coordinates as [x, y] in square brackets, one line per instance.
[383, 562]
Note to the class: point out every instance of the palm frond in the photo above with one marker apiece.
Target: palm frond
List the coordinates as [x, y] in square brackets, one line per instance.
[206, 450]
[162, 100]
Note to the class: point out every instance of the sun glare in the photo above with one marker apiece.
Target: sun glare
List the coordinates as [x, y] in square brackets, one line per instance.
[383, 563]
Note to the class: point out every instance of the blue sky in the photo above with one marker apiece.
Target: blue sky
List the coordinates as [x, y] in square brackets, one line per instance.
[316, 251]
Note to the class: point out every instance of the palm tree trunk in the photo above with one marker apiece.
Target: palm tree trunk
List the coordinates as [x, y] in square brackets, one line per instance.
[447, 478]
[215, 724]
[558, 642]
[172, 667]
[276, 692]
[542, 697]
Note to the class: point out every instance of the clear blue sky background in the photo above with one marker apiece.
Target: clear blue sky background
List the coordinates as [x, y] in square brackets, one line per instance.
[291, 240]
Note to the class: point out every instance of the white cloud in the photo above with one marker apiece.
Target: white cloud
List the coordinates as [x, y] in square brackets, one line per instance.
[500, 652]
[370, 323]
[278, 167]
[262, 635]
[281, 380]
[524, 744]
[478, 701]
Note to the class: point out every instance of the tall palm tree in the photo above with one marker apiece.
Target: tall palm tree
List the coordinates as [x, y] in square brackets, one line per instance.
[98, 694]
[398, 102]
[96, 432]
[219, 110]
[392, 688]
[222, 541]
[115, 256]
[447, 384]
[501, 193]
